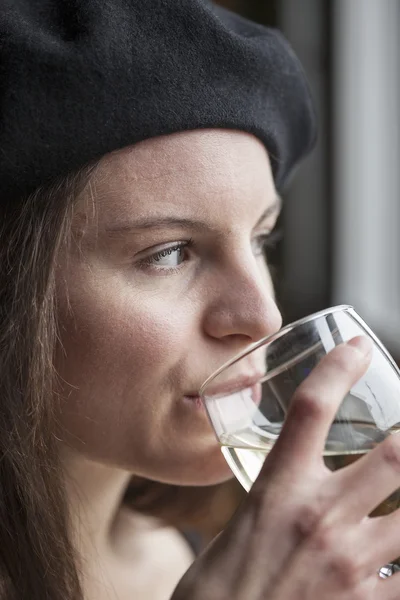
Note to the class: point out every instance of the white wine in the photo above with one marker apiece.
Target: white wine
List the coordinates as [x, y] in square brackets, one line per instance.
[245, 452]
[246, 462]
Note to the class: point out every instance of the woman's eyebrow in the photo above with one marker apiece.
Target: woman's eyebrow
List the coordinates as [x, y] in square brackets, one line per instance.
[154, 223]
[162, 221]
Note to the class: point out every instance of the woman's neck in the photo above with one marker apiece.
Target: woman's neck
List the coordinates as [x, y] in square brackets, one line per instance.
[118, 551]
[94, 496]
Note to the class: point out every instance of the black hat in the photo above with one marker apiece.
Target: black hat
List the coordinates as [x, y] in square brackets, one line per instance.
[80, 78]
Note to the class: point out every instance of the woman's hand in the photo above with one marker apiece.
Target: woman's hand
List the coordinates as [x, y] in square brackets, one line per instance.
[303, 531]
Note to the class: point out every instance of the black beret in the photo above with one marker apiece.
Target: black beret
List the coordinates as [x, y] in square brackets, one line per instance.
[80, 78]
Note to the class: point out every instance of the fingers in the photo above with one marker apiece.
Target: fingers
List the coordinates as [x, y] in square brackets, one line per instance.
[315, 403]
[370, 480]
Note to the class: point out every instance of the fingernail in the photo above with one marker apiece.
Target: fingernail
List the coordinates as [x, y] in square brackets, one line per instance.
[363, 344]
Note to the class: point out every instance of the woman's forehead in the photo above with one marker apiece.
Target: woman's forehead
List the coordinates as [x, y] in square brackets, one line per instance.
[191, 170]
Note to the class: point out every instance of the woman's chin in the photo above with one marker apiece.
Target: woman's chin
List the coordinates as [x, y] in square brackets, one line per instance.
[211, 469]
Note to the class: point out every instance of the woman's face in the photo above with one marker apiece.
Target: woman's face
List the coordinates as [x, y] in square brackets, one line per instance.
[165, 281]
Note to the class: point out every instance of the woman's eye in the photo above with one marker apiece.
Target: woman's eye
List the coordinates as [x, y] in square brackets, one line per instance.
[170, 257]
[167, 258]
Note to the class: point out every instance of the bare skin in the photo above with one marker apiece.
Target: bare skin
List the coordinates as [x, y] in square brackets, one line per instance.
[125, 555]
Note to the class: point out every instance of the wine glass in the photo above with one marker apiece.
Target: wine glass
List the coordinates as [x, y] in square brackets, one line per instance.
[247, 399]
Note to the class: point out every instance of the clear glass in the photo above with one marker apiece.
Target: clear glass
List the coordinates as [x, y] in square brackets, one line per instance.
[247, 399]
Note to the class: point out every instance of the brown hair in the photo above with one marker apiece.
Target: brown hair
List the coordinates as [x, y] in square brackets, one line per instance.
[37, 558]
[35, 552]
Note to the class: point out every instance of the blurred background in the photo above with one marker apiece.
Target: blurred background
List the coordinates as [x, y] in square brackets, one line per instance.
[342, 207]
[341, 211]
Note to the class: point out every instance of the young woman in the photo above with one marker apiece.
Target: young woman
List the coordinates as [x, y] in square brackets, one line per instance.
[143, 145]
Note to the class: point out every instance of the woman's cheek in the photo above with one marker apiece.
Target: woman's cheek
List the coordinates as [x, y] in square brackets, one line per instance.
[113, 323]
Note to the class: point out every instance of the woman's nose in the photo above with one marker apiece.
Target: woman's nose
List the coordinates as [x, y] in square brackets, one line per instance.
[242, 306]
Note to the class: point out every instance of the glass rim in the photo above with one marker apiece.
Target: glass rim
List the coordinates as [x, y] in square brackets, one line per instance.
[268, 339]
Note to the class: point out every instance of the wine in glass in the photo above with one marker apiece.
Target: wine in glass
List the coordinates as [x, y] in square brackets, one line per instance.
[248, 398]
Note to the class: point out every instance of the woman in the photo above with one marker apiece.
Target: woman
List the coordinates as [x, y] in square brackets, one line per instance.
[142, 149]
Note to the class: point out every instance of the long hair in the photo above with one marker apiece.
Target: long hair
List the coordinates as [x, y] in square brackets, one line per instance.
[37, 557]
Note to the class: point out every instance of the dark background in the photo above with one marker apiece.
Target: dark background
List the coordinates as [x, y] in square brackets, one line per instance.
[303, 258]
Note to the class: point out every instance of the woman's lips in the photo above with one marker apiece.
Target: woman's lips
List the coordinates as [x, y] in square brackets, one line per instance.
[231, 387]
